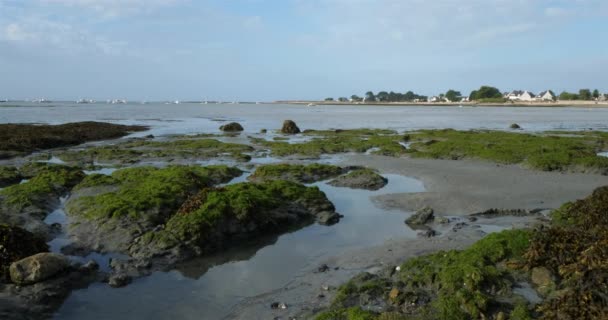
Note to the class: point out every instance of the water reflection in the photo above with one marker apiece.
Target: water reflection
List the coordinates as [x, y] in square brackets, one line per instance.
[207, 288]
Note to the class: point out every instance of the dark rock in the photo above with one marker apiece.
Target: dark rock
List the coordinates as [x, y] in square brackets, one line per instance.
[263, 131]
[428, 233]
[16, 244]
[328, 218]
[323, 268]
[278, 305]
[119, 280]
[232, 127]
[421, 217]
[514, 126]
[290, 127]
[37, 268]
[459, 226]
[360, 179]
[91, 265]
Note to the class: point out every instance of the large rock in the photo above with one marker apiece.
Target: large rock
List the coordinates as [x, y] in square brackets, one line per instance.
[328, 218]
[421, 217]
[37, 268]
[232, 127]
[360, 179]
[290, 127]
[543, 280]
[16, 244]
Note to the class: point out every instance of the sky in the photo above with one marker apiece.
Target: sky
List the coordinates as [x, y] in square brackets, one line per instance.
[263, 50]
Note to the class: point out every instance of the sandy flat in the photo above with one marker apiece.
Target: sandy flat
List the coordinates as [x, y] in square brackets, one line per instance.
[453, 188]
[460, 187]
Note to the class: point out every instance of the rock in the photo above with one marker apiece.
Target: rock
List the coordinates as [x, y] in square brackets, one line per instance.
[501, 316]
[459, 226]
[91, 265]
[543, 280]
[360, 179]
[442, 220]
[37, 268]
[323, 268]
[514, 126]
[328, 218]
[278, 305]
[16, 244]
[421, 217]
[232, 127]
[393, 294]
[289, 127]
[119, 280]
[263, 131]
[428, 233]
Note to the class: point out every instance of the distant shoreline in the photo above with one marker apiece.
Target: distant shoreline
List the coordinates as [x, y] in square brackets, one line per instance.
[573, 103]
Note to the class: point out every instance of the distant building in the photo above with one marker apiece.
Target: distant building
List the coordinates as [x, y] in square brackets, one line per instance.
[603, 97]
[546, 96]
[519, 95]
[434, 99]
[464, 99]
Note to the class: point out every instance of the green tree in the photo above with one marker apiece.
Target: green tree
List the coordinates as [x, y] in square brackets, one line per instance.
[486, 92]
[355, 98]
[382, 96]
[453, 95]
[596, 93]
[343, 99]
[329, 99]
[568, 96]
[584, 94]
[370, 97]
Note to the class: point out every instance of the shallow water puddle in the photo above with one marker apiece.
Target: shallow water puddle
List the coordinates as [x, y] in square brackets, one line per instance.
[207, 288]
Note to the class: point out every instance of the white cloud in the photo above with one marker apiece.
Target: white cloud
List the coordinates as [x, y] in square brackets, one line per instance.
[114, 8]
[52, 35]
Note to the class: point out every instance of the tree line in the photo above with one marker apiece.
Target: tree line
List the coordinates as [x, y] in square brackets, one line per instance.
[484, 93]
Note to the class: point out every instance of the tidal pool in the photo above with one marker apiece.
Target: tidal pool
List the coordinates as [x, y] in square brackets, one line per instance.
[207, 288]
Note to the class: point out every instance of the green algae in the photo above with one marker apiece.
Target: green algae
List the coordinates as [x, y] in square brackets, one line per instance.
[147, 192]
[243, 205]
[16, 244]
[9, 176]
[465, 284]
[547, 152]
[139, 149]
[387, 145]
[294, 172]
[49, 180]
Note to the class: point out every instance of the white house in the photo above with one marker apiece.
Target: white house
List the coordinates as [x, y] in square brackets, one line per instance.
[518, 95]
[546, 96]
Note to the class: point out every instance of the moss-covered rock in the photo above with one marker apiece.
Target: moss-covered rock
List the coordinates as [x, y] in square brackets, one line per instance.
[109, 212]
[360, 179]
[215, 217]
[16, 244]
[48, 182]
[144, 149]
[295, 172]
[232, 127]
[9, 176]
[547, 152]
[468, 284]
[339, 141]
[289, 127]
[573, 250]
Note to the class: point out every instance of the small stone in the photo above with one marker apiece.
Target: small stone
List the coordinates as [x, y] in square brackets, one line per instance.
[232, 127]
[421, 216]
[442, 220]
[323, 268]
[119, 280]
[289, 127]
[278, 305]
[328, 218]
[514, 126]
[428, 233]
[501, 316]
[393, 294]
[398, 268]
[263, 131]
[91, 265]
[543, 279]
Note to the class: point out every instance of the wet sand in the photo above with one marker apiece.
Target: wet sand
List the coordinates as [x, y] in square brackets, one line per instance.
[454, 189]
[460, 187]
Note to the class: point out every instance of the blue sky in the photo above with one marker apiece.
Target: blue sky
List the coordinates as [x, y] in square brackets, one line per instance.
[297, 49]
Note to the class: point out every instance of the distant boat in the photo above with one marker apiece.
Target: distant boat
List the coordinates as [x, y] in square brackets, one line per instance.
[176, 102]
[3, 100]
[118, 101]
[41, 100]
[85, 101]
[311, 105]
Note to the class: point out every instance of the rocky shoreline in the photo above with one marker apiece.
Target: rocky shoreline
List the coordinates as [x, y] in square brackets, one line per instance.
[164, 215]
